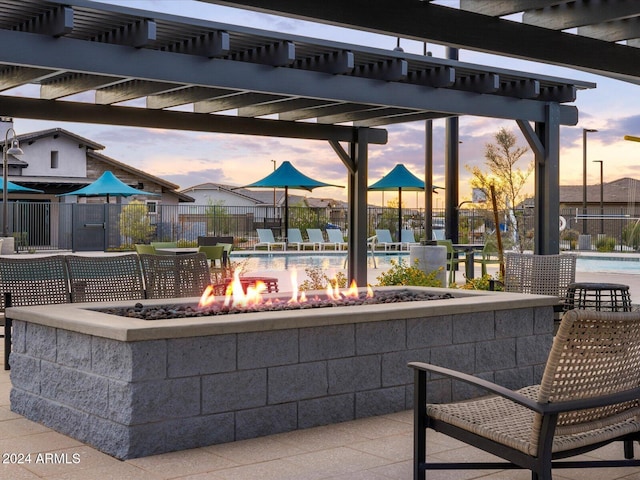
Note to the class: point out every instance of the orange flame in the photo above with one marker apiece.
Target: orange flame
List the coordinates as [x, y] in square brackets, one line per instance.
[236, 297]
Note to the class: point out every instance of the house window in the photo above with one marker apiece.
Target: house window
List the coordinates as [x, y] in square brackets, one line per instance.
[54, 159]
[152, 207]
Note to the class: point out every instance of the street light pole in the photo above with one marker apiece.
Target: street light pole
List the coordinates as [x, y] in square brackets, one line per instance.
[6, 151]
[584, 177]
[601, 195]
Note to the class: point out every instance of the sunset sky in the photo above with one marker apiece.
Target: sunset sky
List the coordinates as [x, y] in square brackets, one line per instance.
[190, 158]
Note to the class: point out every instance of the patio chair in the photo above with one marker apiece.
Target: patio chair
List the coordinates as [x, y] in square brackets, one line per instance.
[588, 397]
[102, 279]
[335, 236]
[315, 236]
[175, 276]
[266, 239]
[164, 244]
[31, 281]
[539, 274]
[294, 238]
[143, 248]
[453, 259]
[383, 237]
[215, 258]
[488, 256]
[407, 238]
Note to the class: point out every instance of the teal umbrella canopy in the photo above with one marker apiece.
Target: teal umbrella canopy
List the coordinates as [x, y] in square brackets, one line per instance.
[287, 176]
[105, 186]
[399, 178]
[15, 188]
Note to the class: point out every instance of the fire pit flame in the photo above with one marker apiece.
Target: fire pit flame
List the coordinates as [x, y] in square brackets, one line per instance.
[236, 297]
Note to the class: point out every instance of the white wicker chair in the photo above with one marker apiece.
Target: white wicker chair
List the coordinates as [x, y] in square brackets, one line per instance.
[589, 396]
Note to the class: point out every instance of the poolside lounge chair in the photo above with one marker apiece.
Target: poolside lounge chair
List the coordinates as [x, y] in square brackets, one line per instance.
[383, 237]
[315, 236]
[335, 236]
[437, 234]
[588, 398]
[265, 239]
[407, 238]
[294, 238]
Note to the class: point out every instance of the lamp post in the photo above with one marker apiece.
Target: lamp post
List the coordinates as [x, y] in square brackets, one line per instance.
[601, 195]
[6, 151]
[584, 177]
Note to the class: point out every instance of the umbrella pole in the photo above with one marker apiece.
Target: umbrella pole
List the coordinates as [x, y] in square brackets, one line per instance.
[286, 214]
[399, 214]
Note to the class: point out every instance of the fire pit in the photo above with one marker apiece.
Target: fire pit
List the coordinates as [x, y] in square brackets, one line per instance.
[163, 312]
[132, 387]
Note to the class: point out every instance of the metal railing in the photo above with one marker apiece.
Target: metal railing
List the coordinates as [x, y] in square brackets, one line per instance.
[55, 226]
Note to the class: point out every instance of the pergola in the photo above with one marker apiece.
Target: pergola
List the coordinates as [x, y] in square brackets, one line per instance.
[119, 54]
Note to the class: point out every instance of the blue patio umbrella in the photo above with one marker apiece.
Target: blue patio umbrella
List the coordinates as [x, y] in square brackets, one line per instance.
[399, 178]
[287, 176]
[14, 187]
[105, 186]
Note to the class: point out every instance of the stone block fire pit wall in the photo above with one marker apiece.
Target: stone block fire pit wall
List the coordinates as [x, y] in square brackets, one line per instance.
[132, 388]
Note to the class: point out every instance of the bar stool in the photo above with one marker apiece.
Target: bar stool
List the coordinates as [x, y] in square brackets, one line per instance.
[610, 297]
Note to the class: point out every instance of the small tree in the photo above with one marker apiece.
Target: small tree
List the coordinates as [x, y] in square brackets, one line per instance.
[135, 224]
[507, 179]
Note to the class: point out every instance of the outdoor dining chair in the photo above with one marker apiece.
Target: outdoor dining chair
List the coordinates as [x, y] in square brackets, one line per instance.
[102, 279]
[144, 248]
[383, 237]
[453, 259]
[294, 238]
[175, 276]
[266, 239]
[215, 258]
[588, 397]
[488, 256]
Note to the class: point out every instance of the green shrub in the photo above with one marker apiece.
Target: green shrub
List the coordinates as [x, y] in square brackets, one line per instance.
[318, 280]
[480, 283]
[606, 244]
[402, 274]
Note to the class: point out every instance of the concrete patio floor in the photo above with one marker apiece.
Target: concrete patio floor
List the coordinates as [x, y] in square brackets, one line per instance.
[377, 448]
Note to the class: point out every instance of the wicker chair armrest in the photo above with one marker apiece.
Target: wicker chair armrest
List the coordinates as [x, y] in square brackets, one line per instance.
[542, 408]
[481, 383]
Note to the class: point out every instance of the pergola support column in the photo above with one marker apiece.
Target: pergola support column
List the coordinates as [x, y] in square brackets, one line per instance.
[358, 225]
[547, 179]
[357, 163]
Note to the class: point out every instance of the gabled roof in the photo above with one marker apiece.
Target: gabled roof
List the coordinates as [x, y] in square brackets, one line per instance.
[166, 185]
[260, 197]
[29, 138]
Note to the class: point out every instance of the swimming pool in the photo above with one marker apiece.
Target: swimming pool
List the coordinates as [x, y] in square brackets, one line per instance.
[630, 264]
[335, 261]
[326, 261]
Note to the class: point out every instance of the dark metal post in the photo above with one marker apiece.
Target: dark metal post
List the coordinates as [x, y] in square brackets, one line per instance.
[584, 177]
[428, 179]
[451, 169]
[601, 195]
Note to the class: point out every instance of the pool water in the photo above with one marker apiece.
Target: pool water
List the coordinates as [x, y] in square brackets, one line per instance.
[336, 261]
[609, 265]
[301, 261]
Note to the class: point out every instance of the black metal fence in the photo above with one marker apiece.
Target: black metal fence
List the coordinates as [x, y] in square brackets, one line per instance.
[85, 227]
